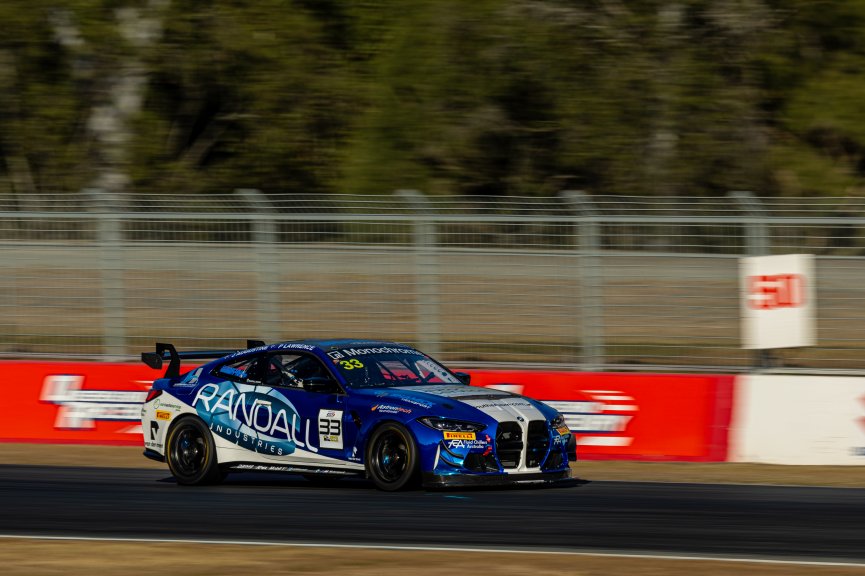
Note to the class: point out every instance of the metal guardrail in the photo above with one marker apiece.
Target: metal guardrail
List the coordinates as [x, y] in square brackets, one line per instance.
[613, 283]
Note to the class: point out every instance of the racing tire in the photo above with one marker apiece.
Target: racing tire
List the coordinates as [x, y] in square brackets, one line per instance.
[191, 454]
[392, 458]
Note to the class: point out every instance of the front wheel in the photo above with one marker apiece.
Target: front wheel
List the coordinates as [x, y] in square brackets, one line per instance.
[392, 458]
[191, 453]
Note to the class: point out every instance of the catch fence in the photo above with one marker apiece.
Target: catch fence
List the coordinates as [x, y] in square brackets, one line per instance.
[575, 281]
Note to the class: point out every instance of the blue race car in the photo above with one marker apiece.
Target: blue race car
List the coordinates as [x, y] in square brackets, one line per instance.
[327, 409]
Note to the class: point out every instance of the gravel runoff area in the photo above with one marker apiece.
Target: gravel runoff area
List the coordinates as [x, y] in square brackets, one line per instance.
[21, 557]
[64, 557]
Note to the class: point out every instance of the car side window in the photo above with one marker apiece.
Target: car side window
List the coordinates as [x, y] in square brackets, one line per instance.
[282, 370]
[273, 370]
[300, 371]
[276, 370]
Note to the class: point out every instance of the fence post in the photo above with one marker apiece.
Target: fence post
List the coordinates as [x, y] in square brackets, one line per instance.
[591, 280]
[264, 244]
[108, 211]
[757, 239]
[428, 329]
[758, 242]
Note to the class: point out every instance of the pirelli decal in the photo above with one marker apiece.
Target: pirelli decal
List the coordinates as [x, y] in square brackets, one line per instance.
[459, 435]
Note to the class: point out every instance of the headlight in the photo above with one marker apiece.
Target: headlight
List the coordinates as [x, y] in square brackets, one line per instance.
[451, 425]
[558, 421]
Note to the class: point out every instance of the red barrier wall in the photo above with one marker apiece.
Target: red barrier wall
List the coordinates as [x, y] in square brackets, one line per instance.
[632, 416]
[73, 402]
[614, 416]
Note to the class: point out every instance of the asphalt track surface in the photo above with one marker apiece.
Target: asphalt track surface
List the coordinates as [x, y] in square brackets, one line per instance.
[779, 522]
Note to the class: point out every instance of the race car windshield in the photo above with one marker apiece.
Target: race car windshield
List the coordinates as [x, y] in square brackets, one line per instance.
[371, 368]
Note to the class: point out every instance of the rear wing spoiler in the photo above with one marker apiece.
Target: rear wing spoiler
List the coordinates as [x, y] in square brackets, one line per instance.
[165, 351]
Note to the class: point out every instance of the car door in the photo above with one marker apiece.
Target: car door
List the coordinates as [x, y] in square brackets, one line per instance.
[319, 434]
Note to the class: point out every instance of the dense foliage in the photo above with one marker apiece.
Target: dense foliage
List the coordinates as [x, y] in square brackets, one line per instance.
[520, 97]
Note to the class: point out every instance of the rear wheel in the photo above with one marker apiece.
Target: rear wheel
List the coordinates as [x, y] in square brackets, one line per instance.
[392, 458]
[191, 453]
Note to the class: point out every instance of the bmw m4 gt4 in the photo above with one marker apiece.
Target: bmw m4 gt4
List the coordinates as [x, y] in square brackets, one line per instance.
[327, 409]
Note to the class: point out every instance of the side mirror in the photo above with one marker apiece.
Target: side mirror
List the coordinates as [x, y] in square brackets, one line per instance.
[464, 377]
[320, 384]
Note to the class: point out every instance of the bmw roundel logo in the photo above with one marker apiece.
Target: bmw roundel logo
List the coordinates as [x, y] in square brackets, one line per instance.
[521, 419]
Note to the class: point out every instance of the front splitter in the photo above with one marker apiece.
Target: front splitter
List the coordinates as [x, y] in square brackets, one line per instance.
[469, 480]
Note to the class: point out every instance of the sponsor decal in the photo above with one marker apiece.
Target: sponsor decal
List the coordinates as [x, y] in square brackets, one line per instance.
[254, 417]
[414, 402]
[284, 468]
[406, 399]
[191, 379]
[354, 457]
[563, 430]
[294, 346]
[79, 408]
[390, 409]
[380, 350]
[166, 404]
[330, 429]
[503, 403]
[459, 435]
[152, 441]
[484, 443]
[442, 390]
[283, 346]
[163, 415]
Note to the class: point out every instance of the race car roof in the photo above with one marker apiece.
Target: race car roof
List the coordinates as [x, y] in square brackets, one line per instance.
[165, 351]
[340, 343]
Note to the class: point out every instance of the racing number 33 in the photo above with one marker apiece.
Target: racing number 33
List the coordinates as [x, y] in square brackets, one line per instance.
[771, 291]
[330, 429]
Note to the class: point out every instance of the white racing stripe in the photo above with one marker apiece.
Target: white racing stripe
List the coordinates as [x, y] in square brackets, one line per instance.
[584, 552]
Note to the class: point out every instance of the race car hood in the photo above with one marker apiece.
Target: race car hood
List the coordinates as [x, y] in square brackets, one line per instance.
[497, 404]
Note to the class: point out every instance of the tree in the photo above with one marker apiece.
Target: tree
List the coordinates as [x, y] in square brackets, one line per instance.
[514, 97]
